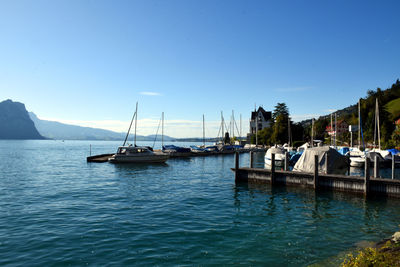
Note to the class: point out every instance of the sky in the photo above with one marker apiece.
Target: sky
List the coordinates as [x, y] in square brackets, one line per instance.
[87, 62]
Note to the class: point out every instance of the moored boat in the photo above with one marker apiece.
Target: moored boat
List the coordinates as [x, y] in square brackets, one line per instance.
[279, 156]
[138, 154]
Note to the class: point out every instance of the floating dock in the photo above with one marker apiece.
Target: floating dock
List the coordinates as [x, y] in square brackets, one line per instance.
[368, 186]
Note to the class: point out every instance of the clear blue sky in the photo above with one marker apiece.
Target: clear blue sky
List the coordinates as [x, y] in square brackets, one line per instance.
[92, 60]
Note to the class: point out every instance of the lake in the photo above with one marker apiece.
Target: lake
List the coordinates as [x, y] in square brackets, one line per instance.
[57, 209]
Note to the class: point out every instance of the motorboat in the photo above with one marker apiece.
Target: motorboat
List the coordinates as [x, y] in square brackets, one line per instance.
[138, 154]
[357, 157]
[279, 156]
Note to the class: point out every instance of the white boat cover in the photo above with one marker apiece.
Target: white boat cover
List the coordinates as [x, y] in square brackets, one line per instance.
[337, 164]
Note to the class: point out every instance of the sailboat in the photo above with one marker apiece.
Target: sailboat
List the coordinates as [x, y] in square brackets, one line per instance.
[203, 150]
[357, 157]
[137, 154]
[172, 150]
[383, 156]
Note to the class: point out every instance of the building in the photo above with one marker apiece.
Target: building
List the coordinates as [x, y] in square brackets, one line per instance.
[260, 119]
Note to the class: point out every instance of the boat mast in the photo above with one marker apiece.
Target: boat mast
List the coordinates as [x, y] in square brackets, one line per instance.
[233, 125]
[136, 122]
[204, 137]
[222, 125]
[240, 132]
[127, 134]
[359, 124]
[162, 130]
[331, 131]
[335, 129]
[289, 131]
[257, 129]
[377, 120]
[312, 132]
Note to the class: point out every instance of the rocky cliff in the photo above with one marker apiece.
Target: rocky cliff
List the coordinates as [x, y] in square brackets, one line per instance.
[15, 122]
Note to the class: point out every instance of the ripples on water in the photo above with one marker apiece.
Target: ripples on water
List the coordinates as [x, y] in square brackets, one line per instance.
[56, 209]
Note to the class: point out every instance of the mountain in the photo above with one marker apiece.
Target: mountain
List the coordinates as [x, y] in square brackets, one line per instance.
[15, 122]
[57, 130]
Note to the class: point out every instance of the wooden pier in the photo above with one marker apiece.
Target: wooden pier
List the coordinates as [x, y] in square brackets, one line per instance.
[368, 186]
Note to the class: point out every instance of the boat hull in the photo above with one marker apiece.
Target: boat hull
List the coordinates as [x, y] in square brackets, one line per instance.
[139, 159]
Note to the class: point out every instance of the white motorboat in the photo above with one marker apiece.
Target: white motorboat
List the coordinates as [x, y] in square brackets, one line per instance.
[138, 154]
[357, 158]
[279, 156]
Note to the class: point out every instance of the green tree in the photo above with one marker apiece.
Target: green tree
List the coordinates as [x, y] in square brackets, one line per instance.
[280, 109]
[280, 129]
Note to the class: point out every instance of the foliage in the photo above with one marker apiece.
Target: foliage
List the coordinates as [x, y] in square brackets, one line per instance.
[393, 107]
[388, 255]
[280, 109]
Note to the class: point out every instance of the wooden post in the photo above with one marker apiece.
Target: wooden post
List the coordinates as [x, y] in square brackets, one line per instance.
[286, 161]
[376, 166]
[348, 166]
[366, 175]
[316, 172]
[236, 166]
[393, 161]
[272, 168]
[251, 159]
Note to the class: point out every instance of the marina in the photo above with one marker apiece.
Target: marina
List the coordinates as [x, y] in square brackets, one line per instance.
[188, 211]
[367, 185]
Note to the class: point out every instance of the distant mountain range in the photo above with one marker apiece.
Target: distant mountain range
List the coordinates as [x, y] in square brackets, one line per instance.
[15, 122]
[61, 131]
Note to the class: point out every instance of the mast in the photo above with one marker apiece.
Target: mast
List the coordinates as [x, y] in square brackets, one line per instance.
[335, 129]
[222, 125]
[312, 132]
[136, 122]
[331, 131]
[240, 131]
[162, 130]
[127, 134]
[359, 124]
[233, 125]
[204, 137]
[377, 120]
[288, 136]
[257, 129]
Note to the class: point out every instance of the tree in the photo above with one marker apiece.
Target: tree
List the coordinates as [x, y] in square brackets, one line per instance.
[280, 130]
[280, 109]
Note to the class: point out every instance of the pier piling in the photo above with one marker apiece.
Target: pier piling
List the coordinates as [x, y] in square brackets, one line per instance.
[376, 166]
[272, 168]
[366, 177]
[251, 159]
[393, 165]
[316, 172]
[236, 166]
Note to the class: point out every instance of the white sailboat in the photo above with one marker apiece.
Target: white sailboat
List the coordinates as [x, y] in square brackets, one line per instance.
[357, 157]
[137, 154]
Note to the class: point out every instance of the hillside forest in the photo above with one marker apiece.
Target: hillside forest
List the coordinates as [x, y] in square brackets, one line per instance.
[389, 113]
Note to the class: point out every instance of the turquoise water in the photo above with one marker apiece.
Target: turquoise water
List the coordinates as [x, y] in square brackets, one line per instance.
[56, 209]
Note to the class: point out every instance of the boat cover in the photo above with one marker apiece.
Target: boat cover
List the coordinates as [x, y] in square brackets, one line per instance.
[176, 148]
[337, 164]
[344, 151]
[393, 151]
